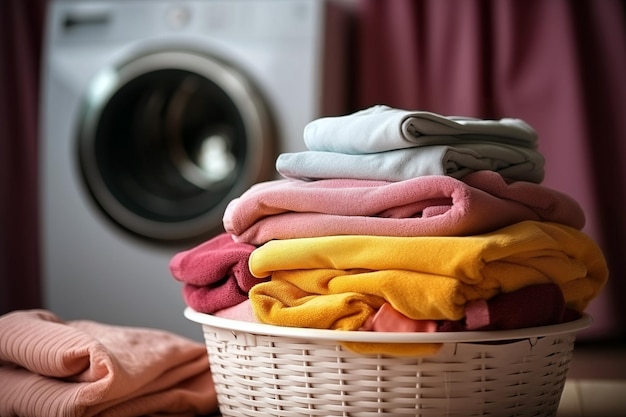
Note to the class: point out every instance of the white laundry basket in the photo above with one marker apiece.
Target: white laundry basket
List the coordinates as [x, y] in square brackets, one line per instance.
[264, 370]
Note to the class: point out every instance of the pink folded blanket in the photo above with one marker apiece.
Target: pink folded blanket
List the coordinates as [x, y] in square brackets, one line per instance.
[215, 273]
[424, 206]
[49, 367]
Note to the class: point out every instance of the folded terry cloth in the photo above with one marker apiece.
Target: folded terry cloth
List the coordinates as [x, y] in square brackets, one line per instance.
[382, 128]
[215, 273]
[424, 206]
[421, 277]
[513, 162]
[49, 367]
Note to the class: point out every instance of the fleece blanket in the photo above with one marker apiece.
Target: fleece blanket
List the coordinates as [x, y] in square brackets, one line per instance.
[49, 367]
[513, 162]
[382, 128]
[214, 274]
[423, 206]
[337, 282]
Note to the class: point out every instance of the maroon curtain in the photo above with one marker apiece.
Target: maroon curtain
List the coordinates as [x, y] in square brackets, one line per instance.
[559, 64]
[21, 27]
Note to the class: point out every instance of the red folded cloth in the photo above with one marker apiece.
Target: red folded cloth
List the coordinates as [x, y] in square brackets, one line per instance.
[215, 273]
[82, 368]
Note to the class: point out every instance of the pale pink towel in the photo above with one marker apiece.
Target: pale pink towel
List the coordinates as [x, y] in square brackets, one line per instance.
[424, 206]
[49, 367]
[242, 312]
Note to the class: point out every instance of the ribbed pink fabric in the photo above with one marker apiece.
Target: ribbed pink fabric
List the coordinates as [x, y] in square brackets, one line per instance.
[82, 368]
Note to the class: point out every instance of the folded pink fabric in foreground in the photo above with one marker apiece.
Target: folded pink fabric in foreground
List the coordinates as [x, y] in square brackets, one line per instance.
[215, 273]
[49, 367]
[433, 205]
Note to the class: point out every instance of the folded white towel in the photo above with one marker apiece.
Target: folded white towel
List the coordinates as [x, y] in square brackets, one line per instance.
[382, 128]
[513, 162]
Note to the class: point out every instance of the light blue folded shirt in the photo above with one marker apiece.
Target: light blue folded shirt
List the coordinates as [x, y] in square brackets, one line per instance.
[382, 128]
[513, 162]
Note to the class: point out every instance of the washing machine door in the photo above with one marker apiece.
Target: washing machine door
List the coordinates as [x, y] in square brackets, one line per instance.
[168, 139]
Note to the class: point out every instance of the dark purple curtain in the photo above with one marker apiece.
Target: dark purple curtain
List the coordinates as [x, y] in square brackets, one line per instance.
[21, 27]
[559, 64]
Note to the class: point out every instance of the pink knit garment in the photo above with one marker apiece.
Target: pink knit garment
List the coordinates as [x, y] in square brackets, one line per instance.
[82, 368]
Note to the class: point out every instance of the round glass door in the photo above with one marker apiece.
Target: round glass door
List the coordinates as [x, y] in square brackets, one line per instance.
[168, 139]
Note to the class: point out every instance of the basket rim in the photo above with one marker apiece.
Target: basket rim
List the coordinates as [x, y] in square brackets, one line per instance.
[386, 337]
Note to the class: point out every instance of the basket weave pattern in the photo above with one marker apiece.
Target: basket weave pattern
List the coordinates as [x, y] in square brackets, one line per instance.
[268, 375]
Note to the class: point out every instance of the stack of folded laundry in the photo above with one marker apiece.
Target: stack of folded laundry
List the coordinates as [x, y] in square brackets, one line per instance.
[397, 220]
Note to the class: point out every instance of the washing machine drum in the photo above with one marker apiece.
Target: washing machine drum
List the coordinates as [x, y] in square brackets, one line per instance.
[168, 139]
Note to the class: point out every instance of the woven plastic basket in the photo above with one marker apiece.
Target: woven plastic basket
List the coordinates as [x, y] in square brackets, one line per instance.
[263, 370]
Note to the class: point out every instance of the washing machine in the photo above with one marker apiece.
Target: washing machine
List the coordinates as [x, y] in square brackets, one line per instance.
[154, 115]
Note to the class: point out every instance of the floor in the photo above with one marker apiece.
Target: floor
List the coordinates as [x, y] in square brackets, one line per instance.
[596, 381]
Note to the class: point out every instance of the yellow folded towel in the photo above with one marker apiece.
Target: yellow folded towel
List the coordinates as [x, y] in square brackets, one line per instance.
[422, 277]
[344, 299]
